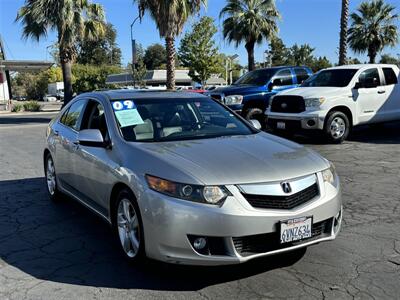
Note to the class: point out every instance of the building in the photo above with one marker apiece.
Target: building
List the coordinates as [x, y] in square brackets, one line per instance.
[158, 79]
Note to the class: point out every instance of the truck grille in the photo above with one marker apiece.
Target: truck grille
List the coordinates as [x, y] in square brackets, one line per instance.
[262, 243]
[283, 202]
[288, 104]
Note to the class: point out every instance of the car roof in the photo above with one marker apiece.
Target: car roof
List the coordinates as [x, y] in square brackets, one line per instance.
[149, 94]
[359, 66]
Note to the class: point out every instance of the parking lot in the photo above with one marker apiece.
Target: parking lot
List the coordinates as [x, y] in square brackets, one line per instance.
[62, 251]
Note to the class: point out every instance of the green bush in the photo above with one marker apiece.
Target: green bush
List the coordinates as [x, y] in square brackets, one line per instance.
[17, 107]
[31, 106]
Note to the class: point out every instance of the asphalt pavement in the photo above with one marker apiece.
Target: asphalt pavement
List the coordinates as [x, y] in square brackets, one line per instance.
[62, 251]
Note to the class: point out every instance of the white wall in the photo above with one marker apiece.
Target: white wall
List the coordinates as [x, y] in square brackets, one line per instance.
[4, 95]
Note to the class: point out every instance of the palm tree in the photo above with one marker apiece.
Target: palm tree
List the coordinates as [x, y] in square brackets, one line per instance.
[170, 16]
[71, 19]
[249, 21]
[344, 18]
[373, 28]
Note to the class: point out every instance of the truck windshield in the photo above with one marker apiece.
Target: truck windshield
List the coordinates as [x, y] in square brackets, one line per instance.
[257, 77]
[158, 120]
[331, 78]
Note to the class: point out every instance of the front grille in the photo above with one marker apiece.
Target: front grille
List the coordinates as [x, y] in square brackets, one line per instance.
[262, 243]
[283, 202]
[288, 104]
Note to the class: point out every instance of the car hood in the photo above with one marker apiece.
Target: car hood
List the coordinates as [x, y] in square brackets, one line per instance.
[233, 160]
[239, 90]
[312, 92]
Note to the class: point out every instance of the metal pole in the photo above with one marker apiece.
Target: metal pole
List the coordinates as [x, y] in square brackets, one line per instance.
[230, 71]
[133, 44]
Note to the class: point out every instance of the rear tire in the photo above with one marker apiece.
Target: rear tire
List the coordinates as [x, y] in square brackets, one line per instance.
[51, 178]
[255, 114]
[128, 226]
[337, 127]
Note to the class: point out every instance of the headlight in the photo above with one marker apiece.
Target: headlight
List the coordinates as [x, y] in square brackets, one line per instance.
[329, 175]
[196, 193]
[233, 99]
[314, 102]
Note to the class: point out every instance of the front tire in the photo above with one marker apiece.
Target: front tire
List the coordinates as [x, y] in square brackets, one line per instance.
[51, 178]
[337, 127]
[255, 114]
[128, 226]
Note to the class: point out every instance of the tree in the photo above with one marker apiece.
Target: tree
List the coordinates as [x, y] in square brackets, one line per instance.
[278, 52]
[320, 63]
[88, 78]
[103, 51]
[170, 16]
[198, 51]
[249, 21]
[373, 28]
[344, 18]
[139, 71]
[71, 20]
[388, 59]
[353, 61]
[300, 55]
[155, 56]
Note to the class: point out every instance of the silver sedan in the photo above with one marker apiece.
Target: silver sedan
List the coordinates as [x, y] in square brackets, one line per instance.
[183, 179]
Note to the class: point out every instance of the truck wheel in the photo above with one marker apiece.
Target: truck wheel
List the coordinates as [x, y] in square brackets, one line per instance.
[337, 127]
[255, 114]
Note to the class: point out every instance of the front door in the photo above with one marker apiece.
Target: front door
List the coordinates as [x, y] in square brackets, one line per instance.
[370, 97]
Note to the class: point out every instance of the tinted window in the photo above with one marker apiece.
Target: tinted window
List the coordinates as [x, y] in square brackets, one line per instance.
[332, 78]
[390, 76]
[257, 77]
[71, 117]
[301, 74]
[154, 120]
[370, 75]
[94, 118]
[285, 76]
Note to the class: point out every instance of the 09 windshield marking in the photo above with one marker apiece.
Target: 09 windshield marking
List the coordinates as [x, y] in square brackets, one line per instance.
[179, 119]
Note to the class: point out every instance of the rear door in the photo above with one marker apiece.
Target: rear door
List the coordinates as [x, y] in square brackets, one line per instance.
[370, 99]
[69, 124]
[286, 79]
[391, 107]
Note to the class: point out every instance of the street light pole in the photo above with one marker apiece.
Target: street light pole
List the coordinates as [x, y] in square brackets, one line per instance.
[133, 43]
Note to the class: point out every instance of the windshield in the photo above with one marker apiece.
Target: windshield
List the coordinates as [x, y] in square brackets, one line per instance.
[257, 77]
[154, 120]
[331, 78]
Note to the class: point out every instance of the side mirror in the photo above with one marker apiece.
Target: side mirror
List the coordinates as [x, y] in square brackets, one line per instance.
[91, 138]
[256, 124]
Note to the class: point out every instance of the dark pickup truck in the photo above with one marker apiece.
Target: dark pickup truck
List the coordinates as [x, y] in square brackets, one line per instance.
[250, 94]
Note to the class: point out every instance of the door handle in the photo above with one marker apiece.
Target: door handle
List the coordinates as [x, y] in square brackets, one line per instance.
[56, 133]
[381, 92]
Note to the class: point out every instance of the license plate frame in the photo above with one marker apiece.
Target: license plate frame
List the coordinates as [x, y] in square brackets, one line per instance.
[302, 229]
[280, 125]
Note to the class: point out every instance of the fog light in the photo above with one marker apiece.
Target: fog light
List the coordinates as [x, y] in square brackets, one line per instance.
[199, 243]
[311, 123]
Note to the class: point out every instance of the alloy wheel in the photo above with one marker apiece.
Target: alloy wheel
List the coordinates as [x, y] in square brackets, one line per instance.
[51, 176]
[128, 228]
[338, 127]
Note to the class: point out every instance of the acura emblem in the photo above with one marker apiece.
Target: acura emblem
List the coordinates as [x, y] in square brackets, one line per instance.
[284, 105]
[286, 187]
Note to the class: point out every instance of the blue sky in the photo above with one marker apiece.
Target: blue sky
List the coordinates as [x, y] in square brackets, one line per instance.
[303, 21]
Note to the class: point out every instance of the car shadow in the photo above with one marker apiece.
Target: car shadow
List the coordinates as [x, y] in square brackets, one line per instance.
[382, 133]
[64, 242]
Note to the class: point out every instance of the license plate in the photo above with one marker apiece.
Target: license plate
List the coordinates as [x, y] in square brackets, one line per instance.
[280, 125]
[296, 229]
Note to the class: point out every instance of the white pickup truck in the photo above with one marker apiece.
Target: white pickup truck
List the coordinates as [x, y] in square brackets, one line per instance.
[336, 99]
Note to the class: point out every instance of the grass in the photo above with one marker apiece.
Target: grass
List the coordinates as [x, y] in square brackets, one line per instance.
[31, 106]
[16, 107]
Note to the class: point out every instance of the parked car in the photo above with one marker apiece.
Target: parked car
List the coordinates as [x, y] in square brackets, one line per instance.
[19, 98]
[158, 166]
[50, 98]
[250, 94]
[336, 99]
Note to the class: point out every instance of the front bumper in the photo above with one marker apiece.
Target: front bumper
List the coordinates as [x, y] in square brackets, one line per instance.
[169, 223]
[296, 121]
